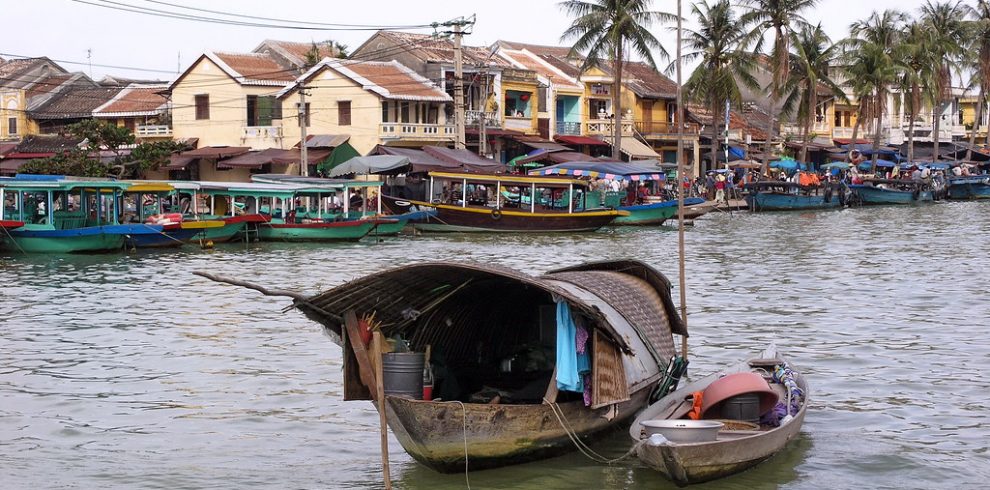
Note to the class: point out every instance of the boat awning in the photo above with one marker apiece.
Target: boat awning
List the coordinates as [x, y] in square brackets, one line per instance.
[372, 164]
[603, 170]
[580, 140]
[251, 159]
[540, 143]
[465, 158]
[635, 148]
[216, 152]
[325, 140]
[419, 160]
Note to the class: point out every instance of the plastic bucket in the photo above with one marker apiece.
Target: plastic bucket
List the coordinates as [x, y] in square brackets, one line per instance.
[744, 407]
[402, 373]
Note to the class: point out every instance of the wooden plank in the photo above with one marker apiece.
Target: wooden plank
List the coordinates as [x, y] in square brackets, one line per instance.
[365, 367]
[609, 384]
[551, 395]
[376, 343]
[354, 386]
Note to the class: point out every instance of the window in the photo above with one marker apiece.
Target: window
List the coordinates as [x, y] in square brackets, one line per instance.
[386, 114]
[261, 109]
[403, 112]
[202, 106]
[343, 113]
[12, 126]
[129, 124]
[303, 115]
[518, 104]
[541, 100]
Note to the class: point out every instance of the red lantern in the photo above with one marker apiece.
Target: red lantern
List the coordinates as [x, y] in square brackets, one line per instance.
[524, 97]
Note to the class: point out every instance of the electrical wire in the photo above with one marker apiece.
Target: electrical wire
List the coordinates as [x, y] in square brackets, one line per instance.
[284, 20]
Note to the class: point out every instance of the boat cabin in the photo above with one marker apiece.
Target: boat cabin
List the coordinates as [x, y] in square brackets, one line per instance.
[522, 193]
[56, 204]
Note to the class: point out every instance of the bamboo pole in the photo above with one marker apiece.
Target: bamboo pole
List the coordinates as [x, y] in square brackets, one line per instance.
[681, 171]
[376, 340]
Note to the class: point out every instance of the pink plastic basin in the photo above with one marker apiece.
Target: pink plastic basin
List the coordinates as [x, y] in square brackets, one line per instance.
[738, 384]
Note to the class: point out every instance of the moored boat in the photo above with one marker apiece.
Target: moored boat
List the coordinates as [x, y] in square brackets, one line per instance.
[652, 213]
[969, 187]
[791, 196]
[891, 191]
[152, 227]
[211, 201]
[520, 364]
[717, 444]
[465, 202]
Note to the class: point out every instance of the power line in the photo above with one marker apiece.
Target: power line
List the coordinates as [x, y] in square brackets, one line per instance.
[286, 20]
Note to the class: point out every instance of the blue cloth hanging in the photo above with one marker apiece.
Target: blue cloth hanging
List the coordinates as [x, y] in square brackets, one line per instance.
[568, 376]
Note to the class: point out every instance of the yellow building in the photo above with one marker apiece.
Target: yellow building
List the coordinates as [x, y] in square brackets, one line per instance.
[374, 102]
[23, 81]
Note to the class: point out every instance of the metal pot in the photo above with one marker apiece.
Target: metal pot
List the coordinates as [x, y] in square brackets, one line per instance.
[683, 431]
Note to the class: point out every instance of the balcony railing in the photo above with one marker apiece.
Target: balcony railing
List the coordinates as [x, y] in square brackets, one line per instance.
[420, 131]
[491, 118]
[152, 131]
[568, 128]
[261, 132]
[665, 129]
[519, 123]
[606, 127]
[795, 129]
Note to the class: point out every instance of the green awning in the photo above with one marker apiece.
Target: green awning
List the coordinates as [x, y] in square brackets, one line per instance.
[340, 154]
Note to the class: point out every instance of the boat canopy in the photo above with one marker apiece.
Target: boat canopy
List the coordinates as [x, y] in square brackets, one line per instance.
[508, 179]
[604, 170]
[372, 164]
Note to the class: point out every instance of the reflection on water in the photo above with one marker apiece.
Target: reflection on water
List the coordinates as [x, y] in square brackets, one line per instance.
[127, 370]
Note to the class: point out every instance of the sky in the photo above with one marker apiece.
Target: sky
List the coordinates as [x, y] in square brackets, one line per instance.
[83, 32]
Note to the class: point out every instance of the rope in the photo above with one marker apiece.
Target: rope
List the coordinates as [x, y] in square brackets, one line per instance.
[467, 479]
[162, 232]
[579, 444]
[18, 245]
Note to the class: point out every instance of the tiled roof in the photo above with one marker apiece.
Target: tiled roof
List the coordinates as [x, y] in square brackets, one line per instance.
[75, 102]
[48, 144]
[390, 80]
[563, 65]
[253, 68]
[10, 68]
[296, 52]
[135, 100]
[538, 49]
[428, 48]
[645, 81]
[46, 85]
[753, 122]
[532, 62]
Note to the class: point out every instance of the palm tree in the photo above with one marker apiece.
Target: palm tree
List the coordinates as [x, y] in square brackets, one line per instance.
[947, 32]
[813, 56]
[871, 67]
[980, 35]
[781, 18]
[914, 55]
[720, 43]
[604, 29]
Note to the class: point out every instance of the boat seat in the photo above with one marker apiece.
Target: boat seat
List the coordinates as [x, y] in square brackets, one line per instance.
[69, 220]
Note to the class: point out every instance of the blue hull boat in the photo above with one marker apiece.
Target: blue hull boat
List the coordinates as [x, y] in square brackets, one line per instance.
[781, 201]
[977, 187]
[869, 194]
[653, 213]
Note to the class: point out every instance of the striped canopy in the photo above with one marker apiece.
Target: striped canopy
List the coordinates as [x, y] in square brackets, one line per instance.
[604, 170]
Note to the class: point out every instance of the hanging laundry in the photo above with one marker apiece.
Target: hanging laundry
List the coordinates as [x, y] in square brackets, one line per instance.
[568, 375]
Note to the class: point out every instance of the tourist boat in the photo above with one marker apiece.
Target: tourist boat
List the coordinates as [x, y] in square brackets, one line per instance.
[792, 196]
[61, 216]
[364, 192]
[969, 187]
[653, 212]
[718, 444]
[9, 224]
[504, 354]
[504, 203]
[891, 191]
[175, 229]
[210, 201]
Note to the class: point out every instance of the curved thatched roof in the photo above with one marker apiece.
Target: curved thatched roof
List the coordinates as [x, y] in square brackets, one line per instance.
[472, 301]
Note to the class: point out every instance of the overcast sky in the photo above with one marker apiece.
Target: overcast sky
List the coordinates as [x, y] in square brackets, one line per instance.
[65, 30]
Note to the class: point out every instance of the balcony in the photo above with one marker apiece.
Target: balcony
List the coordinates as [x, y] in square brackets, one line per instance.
[665, 130]
[261, 132]
[474, 117]
[568, 128]
[605, 127]
[153, 131]
[524, 124]
[819, 128]
[416, 131]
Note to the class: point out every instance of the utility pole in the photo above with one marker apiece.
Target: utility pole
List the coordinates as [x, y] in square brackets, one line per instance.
[458, 87]
[681, 171]
[482, 122]
[303, 153]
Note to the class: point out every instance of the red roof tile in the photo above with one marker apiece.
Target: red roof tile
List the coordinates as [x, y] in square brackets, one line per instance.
[256, 66]
[75, 102]
[428, 48]
[135, 100]
[396, 79]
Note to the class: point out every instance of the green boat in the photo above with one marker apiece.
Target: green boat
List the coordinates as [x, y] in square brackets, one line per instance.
[211, 201]
[61, 216]
[654, 213]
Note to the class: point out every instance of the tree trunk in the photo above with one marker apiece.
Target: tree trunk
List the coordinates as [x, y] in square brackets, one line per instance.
[766, 147]
[938, 125]
[714, 132]
[976, 122]
[813, 112]
[911, 114]
[878, 107]
[859, 119]
[617, 103]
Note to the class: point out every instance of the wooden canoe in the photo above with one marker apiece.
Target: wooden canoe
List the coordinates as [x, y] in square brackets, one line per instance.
[733, 451]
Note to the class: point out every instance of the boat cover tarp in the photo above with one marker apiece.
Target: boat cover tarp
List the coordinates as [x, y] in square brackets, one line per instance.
[419, 160]
[468, 160]
[371, 164]
[603, 170]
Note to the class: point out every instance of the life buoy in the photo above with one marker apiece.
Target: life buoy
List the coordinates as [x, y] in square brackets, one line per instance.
[496, 214]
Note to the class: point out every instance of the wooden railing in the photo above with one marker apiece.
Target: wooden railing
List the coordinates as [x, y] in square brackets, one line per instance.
[665, 128]
[425, 131]
[152, 130]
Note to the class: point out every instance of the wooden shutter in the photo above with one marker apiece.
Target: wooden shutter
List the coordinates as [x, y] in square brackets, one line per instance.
[343, 113]
[202, 106]
[608, 375]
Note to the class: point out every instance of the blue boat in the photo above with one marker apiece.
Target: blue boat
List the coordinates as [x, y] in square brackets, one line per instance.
[790, 196]
[969, 187]
[654, 213]
[882, 191]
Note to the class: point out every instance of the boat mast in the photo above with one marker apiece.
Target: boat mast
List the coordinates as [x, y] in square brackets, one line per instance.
[680, 185]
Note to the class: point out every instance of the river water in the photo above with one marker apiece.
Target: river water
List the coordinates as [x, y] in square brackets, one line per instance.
[126, 371]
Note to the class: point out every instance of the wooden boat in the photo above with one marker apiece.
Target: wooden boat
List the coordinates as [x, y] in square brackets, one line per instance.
[738, 445]
[653, 213]
[791, 196]
[891, 191]
[488, 209]
[211, 201]
[154, 228]
[969, 187]
[61, 216]
[496, 399]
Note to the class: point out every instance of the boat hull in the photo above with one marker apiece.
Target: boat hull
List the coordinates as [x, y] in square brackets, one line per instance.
[171, 236]
[969, 191]
[779, 201]
[6, 224]
[651, 214]
[89, 239]
[316, 232]
[877, 195]
[434, 433]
